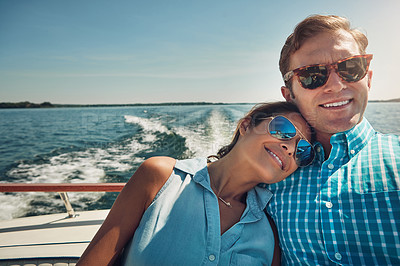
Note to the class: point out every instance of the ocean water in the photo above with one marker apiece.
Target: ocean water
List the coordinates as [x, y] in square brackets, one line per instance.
[93, 145]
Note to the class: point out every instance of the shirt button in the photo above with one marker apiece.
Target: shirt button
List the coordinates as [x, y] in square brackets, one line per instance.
[330, 166]
[352, 151]
[318, 149]
[329, 205]
[338, 256]
[211, 257]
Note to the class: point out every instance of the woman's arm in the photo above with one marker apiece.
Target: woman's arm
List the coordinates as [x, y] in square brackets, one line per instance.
[124, 217]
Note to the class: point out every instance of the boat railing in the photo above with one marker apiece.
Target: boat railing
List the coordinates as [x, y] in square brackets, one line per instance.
[62, 189]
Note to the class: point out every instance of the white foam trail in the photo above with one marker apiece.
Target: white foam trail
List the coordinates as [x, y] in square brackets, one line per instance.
[90, 166]
[149, 125]
[87, 166]
[221, 130]
[13, 206]
[206, 139]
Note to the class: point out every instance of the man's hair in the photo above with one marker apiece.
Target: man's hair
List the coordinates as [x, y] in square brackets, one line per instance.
[310, 27]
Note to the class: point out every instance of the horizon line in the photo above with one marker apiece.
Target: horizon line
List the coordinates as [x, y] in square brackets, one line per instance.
[27, 104]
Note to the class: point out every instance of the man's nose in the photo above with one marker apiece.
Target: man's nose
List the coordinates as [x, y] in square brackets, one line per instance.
[334, 83]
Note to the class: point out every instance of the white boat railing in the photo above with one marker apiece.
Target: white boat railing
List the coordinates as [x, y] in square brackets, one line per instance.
[62, 189]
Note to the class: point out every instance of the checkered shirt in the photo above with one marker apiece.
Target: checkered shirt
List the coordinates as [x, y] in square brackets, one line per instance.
[344, 210]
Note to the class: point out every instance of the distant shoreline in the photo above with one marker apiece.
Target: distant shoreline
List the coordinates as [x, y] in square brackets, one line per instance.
[9, 105]
[26, 104]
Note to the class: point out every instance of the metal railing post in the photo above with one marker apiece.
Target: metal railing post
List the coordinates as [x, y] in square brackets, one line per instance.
[62, 189]
[68, 206]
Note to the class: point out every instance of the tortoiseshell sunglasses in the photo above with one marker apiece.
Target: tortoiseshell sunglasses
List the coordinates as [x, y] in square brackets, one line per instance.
[351, 69]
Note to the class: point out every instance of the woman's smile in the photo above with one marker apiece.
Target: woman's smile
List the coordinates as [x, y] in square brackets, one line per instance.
[276, 158]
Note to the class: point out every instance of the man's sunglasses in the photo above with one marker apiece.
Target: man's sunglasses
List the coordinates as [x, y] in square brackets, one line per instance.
[283, 129]
[351, 69]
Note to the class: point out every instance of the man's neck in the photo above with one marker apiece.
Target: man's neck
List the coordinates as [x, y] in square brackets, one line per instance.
[325, 140]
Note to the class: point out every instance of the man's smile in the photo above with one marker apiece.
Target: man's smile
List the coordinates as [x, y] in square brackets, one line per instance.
[336, 104]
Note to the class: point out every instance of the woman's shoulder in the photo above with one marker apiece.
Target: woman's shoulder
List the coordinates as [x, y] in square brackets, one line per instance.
[158, 166]
[150, 177]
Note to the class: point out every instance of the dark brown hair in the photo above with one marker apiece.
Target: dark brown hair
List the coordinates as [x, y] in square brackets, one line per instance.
[256, 115]
[310, 27]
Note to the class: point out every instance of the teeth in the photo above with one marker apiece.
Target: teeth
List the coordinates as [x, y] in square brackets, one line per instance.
[277, 158]
[336, 104]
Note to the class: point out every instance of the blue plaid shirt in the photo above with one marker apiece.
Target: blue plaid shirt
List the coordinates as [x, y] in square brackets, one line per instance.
[346, 209]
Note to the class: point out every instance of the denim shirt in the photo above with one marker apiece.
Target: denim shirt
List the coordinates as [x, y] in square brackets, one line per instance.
[182, 225]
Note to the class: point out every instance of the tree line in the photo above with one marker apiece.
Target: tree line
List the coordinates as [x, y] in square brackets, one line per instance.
[26, 105]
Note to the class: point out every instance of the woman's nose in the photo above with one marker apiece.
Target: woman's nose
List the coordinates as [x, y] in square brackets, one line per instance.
[289, 146]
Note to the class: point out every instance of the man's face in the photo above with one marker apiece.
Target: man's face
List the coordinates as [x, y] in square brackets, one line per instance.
[338, 105]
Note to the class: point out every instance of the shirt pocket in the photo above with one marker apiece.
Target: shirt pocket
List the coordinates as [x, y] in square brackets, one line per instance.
[376, 217]
[378, 182]
[383, 201]
[243, 260]
[364, 181]
[372, 176]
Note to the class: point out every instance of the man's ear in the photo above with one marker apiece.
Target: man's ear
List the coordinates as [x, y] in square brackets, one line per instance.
[369, 76]
[244, 125]
[287, 94]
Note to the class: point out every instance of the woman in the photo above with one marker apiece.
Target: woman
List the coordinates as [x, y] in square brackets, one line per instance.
[195, 211]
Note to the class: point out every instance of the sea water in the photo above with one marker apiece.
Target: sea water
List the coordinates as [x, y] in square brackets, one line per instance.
[96, 145]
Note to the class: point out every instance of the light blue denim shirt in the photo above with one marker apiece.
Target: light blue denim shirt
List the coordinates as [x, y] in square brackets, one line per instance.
[182, 225]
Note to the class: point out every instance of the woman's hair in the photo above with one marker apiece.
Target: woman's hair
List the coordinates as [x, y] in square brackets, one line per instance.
[256, 115]
[310, 27]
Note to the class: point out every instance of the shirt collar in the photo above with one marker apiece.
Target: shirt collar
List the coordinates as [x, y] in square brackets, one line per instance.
[354, 139]
[360, 135]
[260, 198]
[191, 166]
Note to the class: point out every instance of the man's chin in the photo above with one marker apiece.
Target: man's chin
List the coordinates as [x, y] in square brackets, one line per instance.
[337, 126]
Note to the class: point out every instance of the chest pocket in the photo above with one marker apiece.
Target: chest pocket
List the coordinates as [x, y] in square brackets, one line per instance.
[366, 177]
[374, 216]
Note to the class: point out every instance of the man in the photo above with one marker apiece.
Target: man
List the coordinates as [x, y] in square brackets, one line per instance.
[344, 208]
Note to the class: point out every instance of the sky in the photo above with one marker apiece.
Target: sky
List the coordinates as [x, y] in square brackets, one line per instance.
[152, 51]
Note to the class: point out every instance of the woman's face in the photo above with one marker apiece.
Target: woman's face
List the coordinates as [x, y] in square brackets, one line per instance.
[272, 159]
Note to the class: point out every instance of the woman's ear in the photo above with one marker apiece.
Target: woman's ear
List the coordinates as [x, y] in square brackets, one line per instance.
[244, 125]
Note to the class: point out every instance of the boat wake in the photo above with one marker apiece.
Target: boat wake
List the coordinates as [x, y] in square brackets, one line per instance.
[195, 134]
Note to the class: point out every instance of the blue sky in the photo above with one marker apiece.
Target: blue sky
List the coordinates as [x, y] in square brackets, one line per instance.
[115, 52]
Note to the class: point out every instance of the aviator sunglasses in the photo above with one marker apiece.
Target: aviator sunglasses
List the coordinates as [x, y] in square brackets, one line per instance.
[351, 69]
[283, 129]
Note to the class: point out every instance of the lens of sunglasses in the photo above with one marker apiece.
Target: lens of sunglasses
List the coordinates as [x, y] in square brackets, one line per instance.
[304, 153]
[281, 128]
[353, 70]
[313, 77]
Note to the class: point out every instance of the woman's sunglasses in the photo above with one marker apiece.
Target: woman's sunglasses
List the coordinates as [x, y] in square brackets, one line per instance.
[351, 69]
[283, 129]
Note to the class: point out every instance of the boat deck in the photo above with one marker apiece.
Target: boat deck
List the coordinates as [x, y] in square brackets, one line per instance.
[55, 239]
[46, 237]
